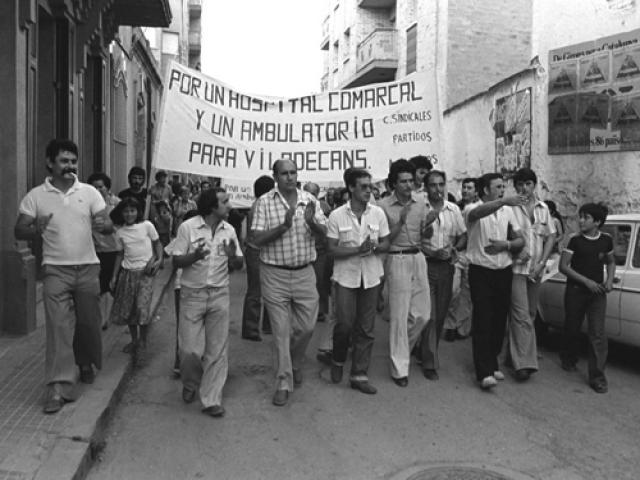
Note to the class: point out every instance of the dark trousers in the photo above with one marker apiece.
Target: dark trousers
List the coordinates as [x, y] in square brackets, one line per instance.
[579, 302]
[253, 297]
[440, 275]
[356, 313]
[491, 298]
[323, 268]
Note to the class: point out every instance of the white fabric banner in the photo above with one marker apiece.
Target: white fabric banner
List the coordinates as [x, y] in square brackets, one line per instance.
[208, 128]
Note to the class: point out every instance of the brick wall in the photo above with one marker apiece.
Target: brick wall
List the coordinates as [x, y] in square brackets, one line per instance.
[487, 42]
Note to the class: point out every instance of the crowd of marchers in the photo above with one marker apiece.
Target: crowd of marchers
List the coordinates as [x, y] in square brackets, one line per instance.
[431, 267]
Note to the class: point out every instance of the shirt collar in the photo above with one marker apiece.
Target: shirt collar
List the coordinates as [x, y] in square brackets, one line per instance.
[447, 205]
[200, 223]
[394, 198]
[350, 210]
[50, 188]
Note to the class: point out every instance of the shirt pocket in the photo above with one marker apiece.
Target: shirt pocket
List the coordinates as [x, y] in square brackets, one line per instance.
[346, 236]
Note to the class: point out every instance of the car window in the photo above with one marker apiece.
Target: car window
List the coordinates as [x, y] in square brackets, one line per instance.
[621, 234]
[636, 254]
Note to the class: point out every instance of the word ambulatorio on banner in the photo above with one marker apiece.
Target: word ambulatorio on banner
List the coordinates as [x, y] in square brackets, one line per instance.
[208, 128]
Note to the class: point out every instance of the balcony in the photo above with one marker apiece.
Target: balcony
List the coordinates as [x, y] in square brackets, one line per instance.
[324, 44]
[376, 58]
[324, 82]
[195, 8]
[195, 41]
[376, 3]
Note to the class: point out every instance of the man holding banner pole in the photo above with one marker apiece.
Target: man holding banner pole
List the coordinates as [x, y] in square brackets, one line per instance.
[285, 224]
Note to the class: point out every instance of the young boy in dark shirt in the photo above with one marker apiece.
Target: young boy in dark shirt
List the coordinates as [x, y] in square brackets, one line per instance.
[586, 293]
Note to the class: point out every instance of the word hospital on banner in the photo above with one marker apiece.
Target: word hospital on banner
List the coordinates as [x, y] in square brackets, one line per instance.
[208, 128]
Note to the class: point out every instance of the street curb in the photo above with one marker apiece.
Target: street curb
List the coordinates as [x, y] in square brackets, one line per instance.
[82, 440]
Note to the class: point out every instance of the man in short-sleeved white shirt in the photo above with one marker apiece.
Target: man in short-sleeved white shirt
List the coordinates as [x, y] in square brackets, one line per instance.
[206, 247]
[357, 232]
[63, 211]
[489, 254]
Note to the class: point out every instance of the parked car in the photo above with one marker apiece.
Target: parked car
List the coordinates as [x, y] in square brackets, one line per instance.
[623, 302]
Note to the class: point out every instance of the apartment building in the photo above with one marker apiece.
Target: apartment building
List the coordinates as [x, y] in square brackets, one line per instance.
[471, 44]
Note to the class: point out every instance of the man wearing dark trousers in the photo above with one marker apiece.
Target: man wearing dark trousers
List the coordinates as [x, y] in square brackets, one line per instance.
[253, 298]
[441, 249]
[357, 232]
[489, 254]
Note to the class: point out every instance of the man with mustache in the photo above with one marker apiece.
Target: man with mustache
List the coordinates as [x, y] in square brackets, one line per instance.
[63, 212]
[136, 188]
[441, 249]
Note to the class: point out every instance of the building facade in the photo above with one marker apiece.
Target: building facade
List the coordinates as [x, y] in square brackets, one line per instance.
[370, 41]
[75, 69]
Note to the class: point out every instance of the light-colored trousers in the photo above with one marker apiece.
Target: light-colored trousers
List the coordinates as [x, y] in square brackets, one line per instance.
[522, 333]
[203, 341]
[291, 299]
[460, 309]
[409, 307]
[72, 317]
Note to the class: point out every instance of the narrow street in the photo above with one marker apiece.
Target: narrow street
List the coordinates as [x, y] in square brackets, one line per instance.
[553, 427]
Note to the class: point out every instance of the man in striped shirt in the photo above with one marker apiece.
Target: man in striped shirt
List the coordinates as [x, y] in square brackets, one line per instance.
[538, 229]
[285, 224]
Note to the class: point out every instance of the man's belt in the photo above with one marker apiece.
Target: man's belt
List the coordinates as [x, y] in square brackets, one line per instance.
[287, 267]
[406, 251]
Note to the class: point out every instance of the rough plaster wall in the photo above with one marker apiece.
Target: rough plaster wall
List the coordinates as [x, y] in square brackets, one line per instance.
[487, 41]
[575, 179]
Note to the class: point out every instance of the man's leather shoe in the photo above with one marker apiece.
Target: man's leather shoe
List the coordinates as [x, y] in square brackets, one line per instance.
[325, 357]
[336, 373]
[364, 386]
[297, 377]
[214, 411]
[87, 375]
[188, 395]
[53, 403]
[449, 335]
[430, 374]
[280, 398]
[523, 374]
[401, 382]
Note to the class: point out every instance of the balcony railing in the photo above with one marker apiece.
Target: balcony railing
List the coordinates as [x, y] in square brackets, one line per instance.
[381, 47]
[195, 40]
[195, 6]
[376, 3]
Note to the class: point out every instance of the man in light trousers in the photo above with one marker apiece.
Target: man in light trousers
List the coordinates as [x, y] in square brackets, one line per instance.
[405, 267]
[206, 248]
[285, 225]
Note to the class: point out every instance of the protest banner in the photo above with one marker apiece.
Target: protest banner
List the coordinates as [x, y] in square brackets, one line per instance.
[208, 128]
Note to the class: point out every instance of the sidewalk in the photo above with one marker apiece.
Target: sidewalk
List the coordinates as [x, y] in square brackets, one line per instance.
[60, 446]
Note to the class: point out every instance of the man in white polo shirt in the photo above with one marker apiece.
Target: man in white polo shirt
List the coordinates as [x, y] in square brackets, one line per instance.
[63, 211]
[357, 231]
[206, 248]
[489, 254]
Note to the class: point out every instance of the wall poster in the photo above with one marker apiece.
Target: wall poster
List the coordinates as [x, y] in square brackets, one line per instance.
[594, 95]
[512, 127]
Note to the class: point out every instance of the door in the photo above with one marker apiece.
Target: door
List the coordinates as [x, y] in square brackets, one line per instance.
[630, 296]
[621, 233]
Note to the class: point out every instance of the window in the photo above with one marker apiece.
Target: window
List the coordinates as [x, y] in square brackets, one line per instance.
[170, 43]
[621, 235]
[412, 47]
[636, 253]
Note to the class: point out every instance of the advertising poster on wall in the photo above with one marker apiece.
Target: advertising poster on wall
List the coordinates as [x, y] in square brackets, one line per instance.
[594, 95]
[513, 132]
